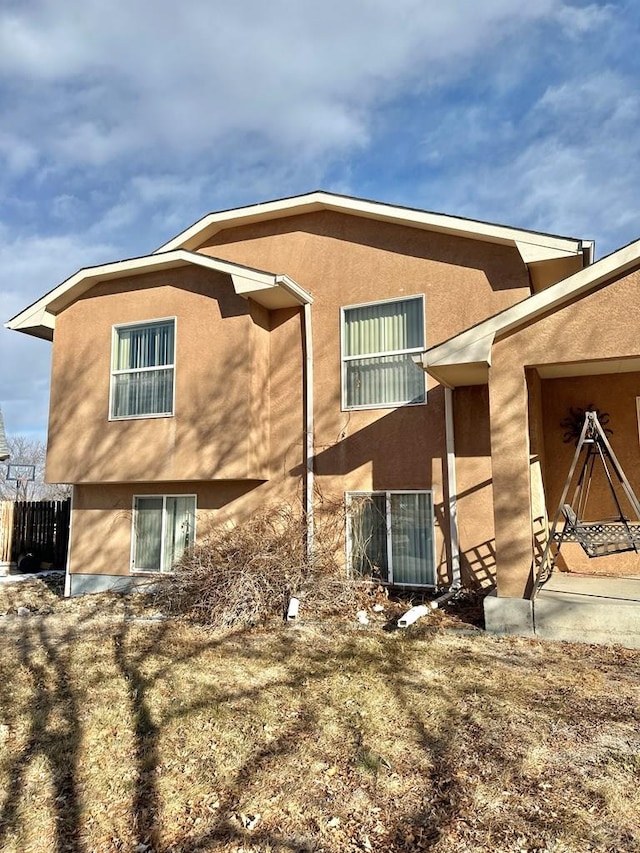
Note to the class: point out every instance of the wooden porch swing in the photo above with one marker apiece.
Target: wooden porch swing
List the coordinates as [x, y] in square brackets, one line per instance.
[597, 538]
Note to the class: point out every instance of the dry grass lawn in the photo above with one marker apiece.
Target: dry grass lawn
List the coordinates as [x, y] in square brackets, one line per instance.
[123, 735]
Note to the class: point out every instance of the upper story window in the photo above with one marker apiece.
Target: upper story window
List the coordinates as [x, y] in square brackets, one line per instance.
[142, 369]
[378, 342]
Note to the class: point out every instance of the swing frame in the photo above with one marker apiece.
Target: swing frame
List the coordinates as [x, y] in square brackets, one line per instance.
[597, 538]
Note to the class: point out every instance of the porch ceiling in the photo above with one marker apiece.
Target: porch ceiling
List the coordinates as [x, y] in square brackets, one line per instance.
[588, 368]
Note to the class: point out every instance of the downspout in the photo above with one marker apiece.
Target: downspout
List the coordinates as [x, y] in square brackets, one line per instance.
[67, 568]
[452, 492]
[309, 450]
[305, 299]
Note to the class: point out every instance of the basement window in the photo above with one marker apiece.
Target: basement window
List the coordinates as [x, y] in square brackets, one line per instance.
[163, 528]
[390, 536]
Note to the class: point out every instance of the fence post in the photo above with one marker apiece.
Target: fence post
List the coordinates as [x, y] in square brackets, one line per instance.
[6, 536]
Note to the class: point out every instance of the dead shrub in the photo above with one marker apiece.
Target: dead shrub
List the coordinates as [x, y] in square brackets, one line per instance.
[245, 574]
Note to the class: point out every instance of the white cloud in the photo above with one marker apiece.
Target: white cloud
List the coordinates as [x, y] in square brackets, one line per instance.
[116, 79]
[19, 155]
[578, 171]
[578, 20]
[33, 265]
[566, 164]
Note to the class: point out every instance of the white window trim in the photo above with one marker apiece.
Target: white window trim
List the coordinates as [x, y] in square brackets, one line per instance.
[387, 495]
[345, 358]
[113, 373]
[164, 510]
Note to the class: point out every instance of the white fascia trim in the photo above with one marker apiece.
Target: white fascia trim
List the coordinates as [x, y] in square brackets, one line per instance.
[476, 351]
[34, 317]
[468, 345]
[42, 313]
[214, 222]
[532, 253]
[294, 289]
[250, 283]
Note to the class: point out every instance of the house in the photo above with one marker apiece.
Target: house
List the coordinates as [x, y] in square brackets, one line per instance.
[415, 365]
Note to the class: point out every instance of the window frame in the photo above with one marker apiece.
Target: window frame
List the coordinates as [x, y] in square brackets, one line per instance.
[113, 372]
[134, 511]
[387, 493]
[409, 350]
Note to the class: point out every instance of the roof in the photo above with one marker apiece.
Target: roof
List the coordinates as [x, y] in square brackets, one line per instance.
[533, 246]
[536, 249]
[465, 358]
[269, 289]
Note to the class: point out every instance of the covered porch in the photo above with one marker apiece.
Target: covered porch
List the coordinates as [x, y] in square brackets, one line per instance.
[573, 346]
[585, 598]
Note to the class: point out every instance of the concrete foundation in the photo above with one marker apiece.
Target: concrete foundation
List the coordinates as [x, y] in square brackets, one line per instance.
[572, 608]
[82, 584]
[508, 616]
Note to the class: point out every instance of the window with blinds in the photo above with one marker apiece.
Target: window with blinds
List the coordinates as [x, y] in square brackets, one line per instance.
[163, 528]
[391, 536]
[378, 342]
[142, 370]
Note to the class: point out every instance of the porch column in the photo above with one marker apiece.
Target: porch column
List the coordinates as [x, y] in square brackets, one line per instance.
[510, 465]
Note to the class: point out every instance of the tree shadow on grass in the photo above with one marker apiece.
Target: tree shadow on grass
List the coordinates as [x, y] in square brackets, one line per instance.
[145, 807]
[309, 683]
[54, 734]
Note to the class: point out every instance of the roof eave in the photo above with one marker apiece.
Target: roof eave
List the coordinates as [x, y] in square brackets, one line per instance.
[532, 246]
[454, 365]
[473, 346]
[269, 289]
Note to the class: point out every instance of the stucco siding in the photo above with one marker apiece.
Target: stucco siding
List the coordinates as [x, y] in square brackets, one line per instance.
[239, 385]
[219, 429]
[101, 532]
[475, 486]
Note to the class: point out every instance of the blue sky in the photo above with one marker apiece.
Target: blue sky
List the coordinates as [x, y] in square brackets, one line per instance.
[123, 122]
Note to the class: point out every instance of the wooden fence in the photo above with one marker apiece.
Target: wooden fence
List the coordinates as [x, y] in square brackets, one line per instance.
[40, 528]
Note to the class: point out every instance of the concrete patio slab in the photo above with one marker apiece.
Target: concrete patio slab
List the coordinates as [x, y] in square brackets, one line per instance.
[590, 586]
[573, 608]
[589, 609]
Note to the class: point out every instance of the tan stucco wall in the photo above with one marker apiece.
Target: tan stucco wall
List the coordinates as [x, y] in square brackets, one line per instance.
[537, 466]
[101, 531]
[221, 427]
[239, 412]
[475, 486]
[601, 326]
[343, 261]
[546, 273]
